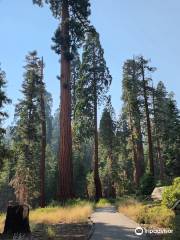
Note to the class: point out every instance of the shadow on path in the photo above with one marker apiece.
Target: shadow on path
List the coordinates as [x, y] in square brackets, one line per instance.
[111, 225]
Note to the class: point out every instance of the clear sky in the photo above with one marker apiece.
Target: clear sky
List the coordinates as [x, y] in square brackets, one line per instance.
[126, 27]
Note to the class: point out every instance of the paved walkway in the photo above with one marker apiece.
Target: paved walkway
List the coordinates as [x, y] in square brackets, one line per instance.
[111, 225]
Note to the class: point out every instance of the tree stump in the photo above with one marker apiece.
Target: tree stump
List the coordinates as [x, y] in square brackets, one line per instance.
[17, 220]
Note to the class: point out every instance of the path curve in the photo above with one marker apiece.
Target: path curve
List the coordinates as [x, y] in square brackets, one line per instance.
[111, 225]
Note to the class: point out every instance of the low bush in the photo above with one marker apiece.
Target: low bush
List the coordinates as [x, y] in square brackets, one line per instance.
[159, 216]
[103, 203]
[147, 184]
[171, 193]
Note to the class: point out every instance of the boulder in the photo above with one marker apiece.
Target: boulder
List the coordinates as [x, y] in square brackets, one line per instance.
[157, 193]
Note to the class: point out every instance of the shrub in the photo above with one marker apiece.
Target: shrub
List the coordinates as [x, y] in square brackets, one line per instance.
[147, 184]
[103, 203]
[159, 216]
[50, 233]
[171, 193]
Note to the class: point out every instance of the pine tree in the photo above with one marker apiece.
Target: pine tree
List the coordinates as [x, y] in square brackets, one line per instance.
[172, 138]
[131, 97]
[27, 130]
[73, 17]
[160, 123]
[95, 80]
[43, 133]
[107, 139]
[3, 115]
[145, 68]
[124, 150]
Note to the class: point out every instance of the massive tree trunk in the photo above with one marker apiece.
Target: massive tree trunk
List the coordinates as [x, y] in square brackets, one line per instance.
[148, 122]
[65, 163]
[43, 141]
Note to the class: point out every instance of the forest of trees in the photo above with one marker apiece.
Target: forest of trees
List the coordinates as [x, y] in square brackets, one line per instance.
[47, 157]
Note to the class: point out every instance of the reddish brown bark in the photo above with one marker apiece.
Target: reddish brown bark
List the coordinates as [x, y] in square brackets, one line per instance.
[65, 161]
[43, 141]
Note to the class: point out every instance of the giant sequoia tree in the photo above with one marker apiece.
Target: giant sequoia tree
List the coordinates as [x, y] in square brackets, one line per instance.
[73, 15]
[94, 82]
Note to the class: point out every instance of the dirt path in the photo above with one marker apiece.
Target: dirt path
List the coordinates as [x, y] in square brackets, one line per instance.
[111, 225]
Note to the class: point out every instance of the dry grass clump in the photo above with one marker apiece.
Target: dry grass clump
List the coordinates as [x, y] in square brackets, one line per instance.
[159, 216]
[131, 208]
[55, 215]
[2, 220]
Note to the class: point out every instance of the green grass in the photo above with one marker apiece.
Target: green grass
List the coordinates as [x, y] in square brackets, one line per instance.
[103, 203]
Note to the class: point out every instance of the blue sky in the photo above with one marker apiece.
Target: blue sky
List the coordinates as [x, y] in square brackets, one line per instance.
[126, 27]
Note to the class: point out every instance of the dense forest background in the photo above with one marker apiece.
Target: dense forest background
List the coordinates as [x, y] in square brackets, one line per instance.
[47, 157]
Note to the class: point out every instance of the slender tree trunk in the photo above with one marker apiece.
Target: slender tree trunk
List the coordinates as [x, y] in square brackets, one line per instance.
[112, 192]
[140, 151]
[137, 172]
[161, 162]
[43, 141]
[159, 154]
[97, 181]
[65, 163]
[138, 140]
[148, 122]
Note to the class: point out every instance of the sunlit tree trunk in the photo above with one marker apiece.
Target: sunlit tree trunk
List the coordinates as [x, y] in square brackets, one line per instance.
[65, 163]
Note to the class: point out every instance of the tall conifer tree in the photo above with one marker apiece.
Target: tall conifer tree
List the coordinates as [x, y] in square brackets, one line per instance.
[3, 115]
[73, 15]
[95, 80]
